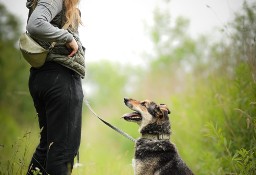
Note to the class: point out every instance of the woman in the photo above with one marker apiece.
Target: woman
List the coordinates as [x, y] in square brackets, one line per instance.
[56, 86]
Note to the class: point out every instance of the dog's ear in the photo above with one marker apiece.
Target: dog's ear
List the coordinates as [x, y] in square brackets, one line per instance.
[159, 111]
[163, 115]
[164, 107]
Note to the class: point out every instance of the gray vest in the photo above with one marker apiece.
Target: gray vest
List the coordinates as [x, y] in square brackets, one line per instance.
[60, 54]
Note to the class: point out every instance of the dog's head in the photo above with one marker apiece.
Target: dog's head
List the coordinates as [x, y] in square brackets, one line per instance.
[147, 113]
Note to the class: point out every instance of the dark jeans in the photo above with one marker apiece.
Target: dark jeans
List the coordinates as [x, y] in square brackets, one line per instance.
[58, 96]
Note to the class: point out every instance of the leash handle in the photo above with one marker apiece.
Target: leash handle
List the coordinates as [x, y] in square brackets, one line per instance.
[108, 124]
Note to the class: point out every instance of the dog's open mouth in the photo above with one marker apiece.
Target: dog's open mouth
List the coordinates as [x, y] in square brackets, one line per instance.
[133, 117]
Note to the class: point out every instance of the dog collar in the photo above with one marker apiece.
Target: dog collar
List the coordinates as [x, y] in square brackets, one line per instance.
[156, 136]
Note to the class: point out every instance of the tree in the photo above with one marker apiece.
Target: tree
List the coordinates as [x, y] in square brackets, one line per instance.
[13, 69]
[211, 89]
[15, 102]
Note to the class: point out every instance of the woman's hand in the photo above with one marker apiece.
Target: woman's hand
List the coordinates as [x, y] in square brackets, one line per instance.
[74, 46]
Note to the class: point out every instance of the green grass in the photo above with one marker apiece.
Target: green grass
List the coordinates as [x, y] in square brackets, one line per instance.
[213, 127]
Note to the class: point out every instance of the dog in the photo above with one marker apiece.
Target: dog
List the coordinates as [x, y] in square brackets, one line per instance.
[154, 153]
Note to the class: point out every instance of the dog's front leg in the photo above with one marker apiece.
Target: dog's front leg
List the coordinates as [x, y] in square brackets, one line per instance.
[142, 168]
[134, 166]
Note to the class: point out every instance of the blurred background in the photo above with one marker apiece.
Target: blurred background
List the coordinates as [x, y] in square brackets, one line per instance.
[198, 58]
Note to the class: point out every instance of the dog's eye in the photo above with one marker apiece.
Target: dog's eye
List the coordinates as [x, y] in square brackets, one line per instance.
[143, 103]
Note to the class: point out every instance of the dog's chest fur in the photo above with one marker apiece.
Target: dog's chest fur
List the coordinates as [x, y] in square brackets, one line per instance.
[158, 157]
[150, 153]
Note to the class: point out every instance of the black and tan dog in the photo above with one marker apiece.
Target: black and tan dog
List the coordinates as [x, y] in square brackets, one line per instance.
[155, 154]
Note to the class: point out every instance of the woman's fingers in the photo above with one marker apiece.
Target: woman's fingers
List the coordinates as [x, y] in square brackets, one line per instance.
[74, 46]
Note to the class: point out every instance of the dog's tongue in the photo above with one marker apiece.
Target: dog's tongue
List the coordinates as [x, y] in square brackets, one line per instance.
[132, 116]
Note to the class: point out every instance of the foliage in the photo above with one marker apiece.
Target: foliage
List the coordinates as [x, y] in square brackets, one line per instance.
[217, 94]
[15, 161]
[15, 102]
[244, 161]
[108, 79]
[13, 70]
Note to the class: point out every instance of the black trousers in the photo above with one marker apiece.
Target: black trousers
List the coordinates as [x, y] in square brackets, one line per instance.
[58, 97]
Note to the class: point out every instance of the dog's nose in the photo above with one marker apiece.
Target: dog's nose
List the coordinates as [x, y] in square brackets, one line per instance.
[126, 100]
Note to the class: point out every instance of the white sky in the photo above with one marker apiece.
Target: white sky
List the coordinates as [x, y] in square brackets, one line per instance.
[115, 29]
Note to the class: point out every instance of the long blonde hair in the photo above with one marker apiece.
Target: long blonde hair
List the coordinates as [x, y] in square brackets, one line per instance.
[72, 13]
